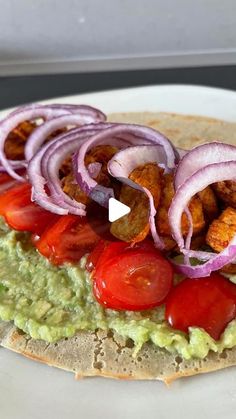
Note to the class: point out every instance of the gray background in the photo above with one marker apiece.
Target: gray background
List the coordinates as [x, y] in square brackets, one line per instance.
[43, 36]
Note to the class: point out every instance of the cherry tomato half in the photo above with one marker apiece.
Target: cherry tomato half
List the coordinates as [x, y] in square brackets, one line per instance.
[5, 178]
[104, 250]
[7, 182]
[21, 213]
[70, 238]
[208, 302]
[131, 278]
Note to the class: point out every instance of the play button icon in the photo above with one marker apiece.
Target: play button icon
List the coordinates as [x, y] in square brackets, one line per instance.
[116, 210]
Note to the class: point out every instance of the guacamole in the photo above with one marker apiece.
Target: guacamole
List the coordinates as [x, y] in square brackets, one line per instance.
[50, 303]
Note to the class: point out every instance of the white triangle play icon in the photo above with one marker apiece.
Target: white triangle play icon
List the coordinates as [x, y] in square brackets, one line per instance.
[116, 210]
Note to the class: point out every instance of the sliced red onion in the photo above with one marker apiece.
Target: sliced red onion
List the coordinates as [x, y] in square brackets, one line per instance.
[200, 254]
[133, 135]
[198, 181]
[200, 157]
[39, 183]
[93, 114]
[125, 161]
[40, 134]
[157, 239]
[13, 120]
[52, 161]
[16, 164]
[33, 112]
[94, 169]
[47, 164]
[191, 162]
[44, 168]
[189, 235]
[213, 264]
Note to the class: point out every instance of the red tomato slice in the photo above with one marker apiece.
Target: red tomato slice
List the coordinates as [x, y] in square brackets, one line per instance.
[9, 195]
[21, 213]
[208, 302]
[7, 182]
[4, 178]
[70, 238]
[135, 278]
[94, 256]
[104, 250]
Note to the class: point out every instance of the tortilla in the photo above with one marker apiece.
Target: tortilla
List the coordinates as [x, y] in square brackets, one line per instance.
[183, 130]
[107, 354]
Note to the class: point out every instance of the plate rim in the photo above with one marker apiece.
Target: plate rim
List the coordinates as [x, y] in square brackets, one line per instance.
[127, 90]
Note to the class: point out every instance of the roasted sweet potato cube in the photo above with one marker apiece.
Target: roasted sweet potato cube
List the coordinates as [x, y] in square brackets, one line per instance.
[15, 142]
[226, 191]
[101, 154]
[222, 230]
[134, 227]
[195, 207]
[71, 188]
[149, 176]
[209, 203]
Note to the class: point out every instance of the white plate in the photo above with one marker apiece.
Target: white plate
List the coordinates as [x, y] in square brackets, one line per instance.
[30, 390]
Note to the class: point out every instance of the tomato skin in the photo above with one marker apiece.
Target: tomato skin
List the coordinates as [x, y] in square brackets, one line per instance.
[131, 278]
[104, 250]
[7, 182]
[209, 303]
[21, 213]
[5, 178]
[59, 238]
[108, 249]
[69, 239]
[94, 256]
[7, 196]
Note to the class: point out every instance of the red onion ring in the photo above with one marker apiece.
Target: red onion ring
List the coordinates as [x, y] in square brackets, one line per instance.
[16, 164]
[133, 134]
[213, 264]
[32, 112]
[44, 167]
[94, 169]
[13, 120]
[52, 161]
[200, 157]
[199, 180]
[125, 161]
[86, 110]
[37, 138]
[39, 183]
[191, 162]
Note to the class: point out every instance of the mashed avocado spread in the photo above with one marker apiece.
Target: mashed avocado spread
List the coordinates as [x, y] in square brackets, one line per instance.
[49, 303]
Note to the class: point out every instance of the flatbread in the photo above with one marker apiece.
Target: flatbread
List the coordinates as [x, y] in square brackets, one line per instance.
[183, 130]
[4, 328]
[107, 354]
